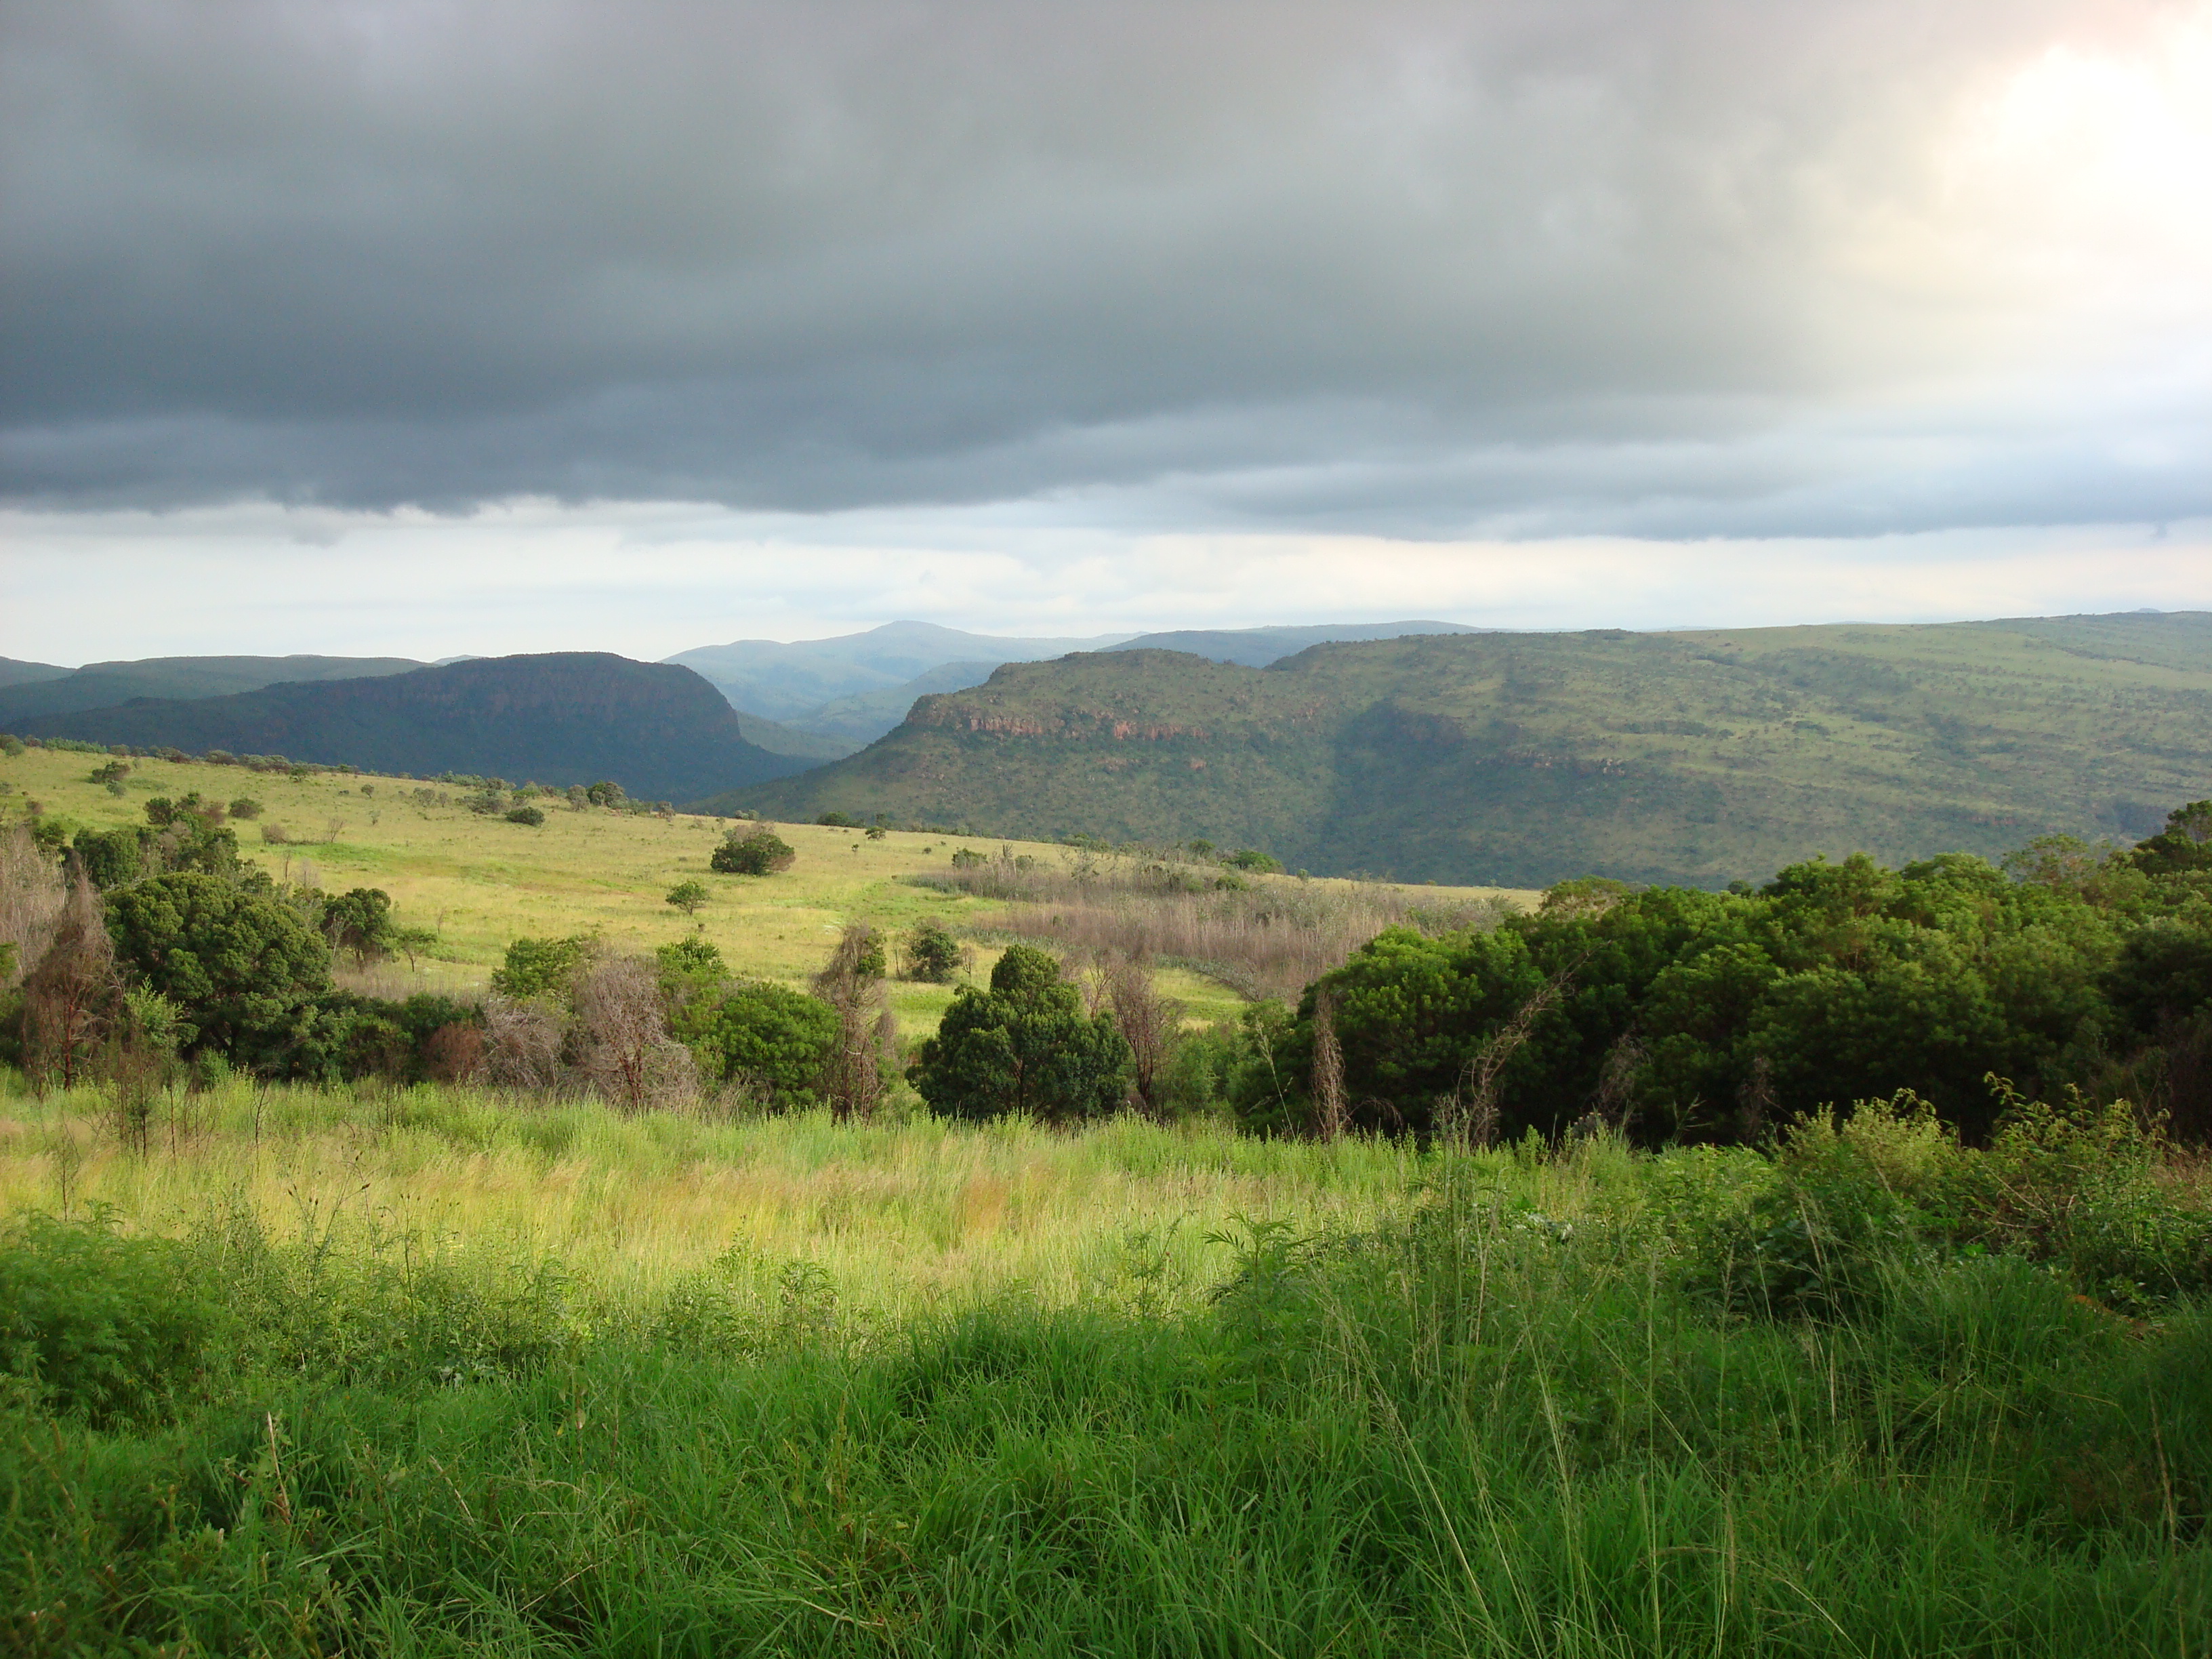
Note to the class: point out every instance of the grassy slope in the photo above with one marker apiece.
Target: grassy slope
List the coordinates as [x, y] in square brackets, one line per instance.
[1524, 758]
[482, 882]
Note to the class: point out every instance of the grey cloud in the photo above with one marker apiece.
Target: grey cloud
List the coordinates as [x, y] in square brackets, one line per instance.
[1410, 267]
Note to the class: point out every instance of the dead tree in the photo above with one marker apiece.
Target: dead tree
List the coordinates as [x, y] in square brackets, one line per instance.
[1468, 1115]
[70, 995]
[867, 1036]
[1331, 1114]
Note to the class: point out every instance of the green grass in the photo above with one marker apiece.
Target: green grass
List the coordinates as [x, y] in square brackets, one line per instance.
[1523, 759]
[482, 882]
[1406, 1405]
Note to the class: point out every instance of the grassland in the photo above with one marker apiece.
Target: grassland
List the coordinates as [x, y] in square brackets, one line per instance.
[481, 882]
[434, 1373]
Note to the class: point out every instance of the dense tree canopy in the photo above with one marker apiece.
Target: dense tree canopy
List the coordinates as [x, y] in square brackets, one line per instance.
[1687, 1013]
[1025, 1047]
[248, 967]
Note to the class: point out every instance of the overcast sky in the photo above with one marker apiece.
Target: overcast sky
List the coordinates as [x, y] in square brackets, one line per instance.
[425, 327]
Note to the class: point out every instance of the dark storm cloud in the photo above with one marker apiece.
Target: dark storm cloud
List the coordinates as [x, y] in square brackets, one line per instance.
[1566, 264]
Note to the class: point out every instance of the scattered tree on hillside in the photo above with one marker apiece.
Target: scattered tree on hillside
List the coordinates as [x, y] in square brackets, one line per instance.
[759, 852]
[360, 922]
[933, 955]
[689, 897]
[536, 966]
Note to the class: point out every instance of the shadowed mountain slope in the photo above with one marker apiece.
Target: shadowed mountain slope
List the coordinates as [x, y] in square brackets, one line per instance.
[104, 684]
[566, 717]
[1522, 758]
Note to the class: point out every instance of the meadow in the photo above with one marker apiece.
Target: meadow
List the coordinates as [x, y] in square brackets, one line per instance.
[390, 1368]
[480, 882]
[434, 1372]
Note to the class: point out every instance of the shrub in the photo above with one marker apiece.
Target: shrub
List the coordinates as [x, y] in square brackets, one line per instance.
[275, 834]
[768, 1036]
[360, 921]
[1252, 860]
[534, 967]
[531, 816]
[10, 743]
[933, 955]
[689, 897]
[761, 853]
[1025, 1047]
[248, 808]
[837, 821]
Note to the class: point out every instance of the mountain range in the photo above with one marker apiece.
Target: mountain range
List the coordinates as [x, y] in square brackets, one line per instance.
[564, 717]
[1519, 759]
[831, 697]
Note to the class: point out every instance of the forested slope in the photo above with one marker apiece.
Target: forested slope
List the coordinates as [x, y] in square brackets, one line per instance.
[1524, 758]
[565, 717]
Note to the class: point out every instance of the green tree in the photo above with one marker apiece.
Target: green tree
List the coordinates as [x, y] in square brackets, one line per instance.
[1023, 1047]
[933, 955]
[535, 967]
[760, 851]
[776, 1039]
[360, 921]
[247, 808]
[530, 818]
[689, 897]
[244, 966]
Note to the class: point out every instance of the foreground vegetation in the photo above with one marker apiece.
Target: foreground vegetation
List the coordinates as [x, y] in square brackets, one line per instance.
[1508, 1402]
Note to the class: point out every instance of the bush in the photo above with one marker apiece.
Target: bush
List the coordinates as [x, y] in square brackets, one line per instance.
[92, 1326]
[1025, 1047]
[837, 821]
[689, 897]
[775, 1039]
[531, 816]
[761, 853]
[535, 967]
[248, 808]
[933, 955]
[243, 965]
[1257, 862]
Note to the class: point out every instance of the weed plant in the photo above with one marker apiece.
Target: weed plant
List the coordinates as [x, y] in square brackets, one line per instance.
[1517, 1407]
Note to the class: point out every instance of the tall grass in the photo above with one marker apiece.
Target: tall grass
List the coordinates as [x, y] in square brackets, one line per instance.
[1492, 1420]
[1268, 936]
[898, 1216]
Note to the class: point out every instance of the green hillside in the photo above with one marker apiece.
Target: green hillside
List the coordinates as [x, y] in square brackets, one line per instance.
[559, 717]
[103, 685]
[1523, 758]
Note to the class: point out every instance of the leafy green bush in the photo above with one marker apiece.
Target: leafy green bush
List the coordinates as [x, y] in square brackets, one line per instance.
[1023, 1047]
[536, 966]
[689, 897]
[247, 808]
[933, 955]
[243, 965]
[529, 817]
[760, 851]
[768, 1036]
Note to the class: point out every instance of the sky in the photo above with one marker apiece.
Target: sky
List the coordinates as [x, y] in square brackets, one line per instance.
[423, 327]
